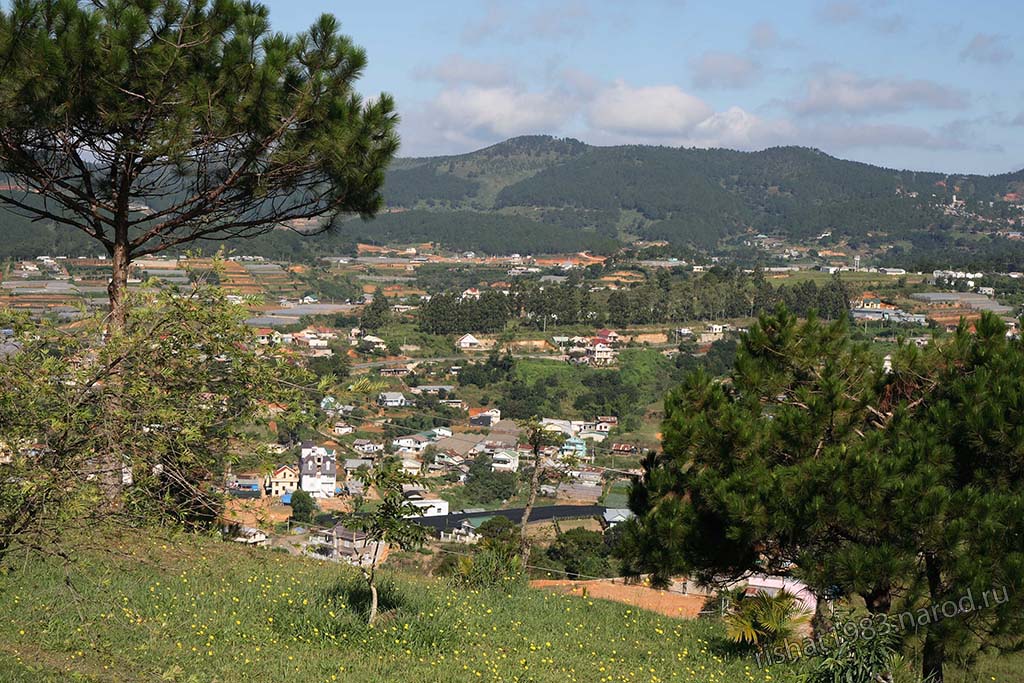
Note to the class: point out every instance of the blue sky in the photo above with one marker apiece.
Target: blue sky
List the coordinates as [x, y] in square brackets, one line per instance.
[924, 85]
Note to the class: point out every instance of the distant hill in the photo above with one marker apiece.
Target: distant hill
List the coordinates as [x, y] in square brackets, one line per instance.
[536, 194]
[696, 196]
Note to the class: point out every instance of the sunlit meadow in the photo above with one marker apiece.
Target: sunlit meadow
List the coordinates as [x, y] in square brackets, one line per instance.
[196, 610]
[206, 611]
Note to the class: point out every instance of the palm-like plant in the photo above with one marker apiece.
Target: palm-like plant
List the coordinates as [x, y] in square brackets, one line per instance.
[763, 619]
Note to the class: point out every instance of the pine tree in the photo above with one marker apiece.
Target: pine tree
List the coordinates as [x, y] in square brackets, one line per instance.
[904, 489]
[150, 125]
[376, 313]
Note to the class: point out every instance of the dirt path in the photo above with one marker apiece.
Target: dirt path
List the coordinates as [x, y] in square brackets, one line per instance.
[663, 602]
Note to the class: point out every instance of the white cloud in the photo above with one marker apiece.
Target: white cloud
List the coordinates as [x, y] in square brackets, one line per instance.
[987, 48]
[457, 69]
[736, 127]
[845, 92]
[469, 116]
[724, 70]
[655, 110]
[483, 113]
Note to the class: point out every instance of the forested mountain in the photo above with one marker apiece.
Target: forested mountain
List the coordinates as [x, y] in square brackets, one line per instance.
[696, 196]
[538, 194]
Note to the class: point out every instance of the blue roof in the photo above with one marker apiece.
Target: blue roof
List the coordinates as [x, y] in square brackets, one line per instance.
[286, 499]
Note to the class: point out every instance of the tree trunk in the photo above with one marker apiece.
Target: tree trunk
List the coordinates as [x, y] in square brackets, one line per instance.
[524, 541]
[111, 462]
[934, 652]
[821, 622]
[117, 290]
[373, 603]
[371, 581]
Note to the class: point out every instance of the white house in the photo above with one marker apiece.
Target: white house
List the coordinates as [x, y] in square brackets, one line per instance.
[250, 536]
[318, 469]
[505, 461]
[392, 399]
[465, 533]
[342, 428]
[479, 417]
[601, 353]
[415, 443]
[468, 342]
[615, 516]
[434, 389]
[375, 343]
[430, 507]
[411, 466]
[366, 446]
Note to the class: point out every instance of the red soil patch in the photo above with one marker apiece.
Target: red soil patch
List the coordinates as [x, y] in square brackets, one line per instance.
[674, 605]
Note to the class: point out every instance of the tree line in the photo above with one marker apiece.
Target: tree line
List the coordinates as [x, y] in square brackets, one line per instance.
[718, 294]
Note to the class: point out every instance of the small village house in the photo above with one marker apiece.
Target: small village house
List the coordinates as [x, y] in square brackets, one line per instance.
[284, 479]
[392, 399]
[468, 342]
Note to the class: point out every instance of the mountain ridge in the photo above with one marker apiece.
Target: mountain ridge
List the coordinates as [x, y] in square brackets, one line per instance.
[686, 195]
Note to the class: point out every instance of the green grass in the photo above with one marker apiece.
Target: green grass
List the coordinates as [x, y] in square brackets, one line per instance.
[431, 345]
[196, 610]
[201, 610]
[617, 495]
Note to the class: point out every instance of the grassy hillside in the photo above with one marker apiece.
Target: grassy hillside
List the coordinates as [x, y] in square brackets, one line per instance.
[192, 610]
[208, 611]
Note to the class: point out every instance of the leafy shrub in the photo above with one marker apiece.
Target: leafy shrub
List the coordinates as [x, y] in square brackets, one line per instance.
[488, 567]
[764, 620]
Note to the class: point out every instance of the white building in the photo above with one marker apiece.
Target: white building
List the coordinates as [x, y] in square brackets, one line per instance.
[430, 507]
[392, 399]
[505, 461]
[366, 446]
[468, 342]
[415, 443]
[318, 468]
